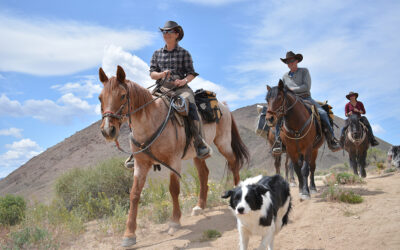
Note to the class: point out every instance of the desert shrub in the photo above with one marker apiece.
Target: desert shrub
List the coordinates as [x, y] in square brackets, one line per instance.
[375, 155]
[94, 192]
[335, 193]
[251, 172]
[12, 209]
[31, 238]
[347, 178]
[115, 223]
[210, 234]
[390, 170]
[339, 167]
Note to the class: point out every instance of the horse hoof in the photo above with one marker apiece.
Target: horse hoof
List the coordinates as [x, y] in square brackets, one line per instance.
[127, 242]
[313, 191]
[197, 210]
[173, 227]
[293, 184]
[304, 197]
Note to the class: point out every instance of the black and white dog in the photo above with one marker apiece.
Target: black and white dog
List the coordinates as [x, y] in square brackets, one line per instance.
[261, 205]
[394, 156]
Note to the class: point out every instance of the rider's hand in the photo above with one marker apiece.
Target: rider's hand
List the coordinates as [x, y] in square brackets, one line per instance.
[180, 83]
[165, 73]
[356, 110]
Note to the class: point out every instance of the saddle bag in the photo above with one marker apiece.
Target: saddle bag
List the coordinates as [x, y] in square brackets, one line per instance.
[207, 105]
[328, 108]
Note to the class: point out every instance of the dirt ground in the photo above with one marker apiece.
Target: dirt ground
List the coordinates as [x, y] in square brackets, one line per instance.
[314, 224]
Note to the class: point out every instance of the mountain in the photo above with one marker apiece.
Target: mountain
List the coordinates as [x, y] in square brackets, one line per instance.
[35, 179]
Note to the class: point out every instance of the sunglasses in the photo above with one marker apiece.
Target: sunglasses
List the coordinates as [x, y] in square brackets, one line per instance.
[168, 31]
[291, 60]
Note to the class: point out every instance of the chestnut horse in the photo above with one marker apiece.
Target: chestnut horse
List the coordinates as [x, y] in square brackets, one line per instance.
[298, 133]
[145, 114]
[269, 134]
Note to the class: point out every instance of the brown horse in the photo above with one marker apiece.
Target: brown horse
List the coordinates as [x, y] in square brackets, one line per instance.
[299, 133]
[120, 98]
[356, 144]
[269, 134]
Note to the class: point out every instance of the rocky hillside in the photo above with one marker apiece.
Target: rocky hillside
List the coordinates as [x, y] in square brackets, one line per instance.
[35, 179]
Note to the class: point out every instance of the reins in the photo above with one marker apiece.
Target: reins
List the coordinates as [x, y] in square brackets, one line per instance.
[144, 147]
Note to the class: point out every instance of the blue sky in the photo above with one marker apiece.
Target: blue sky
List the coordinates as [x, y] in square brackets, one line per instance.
[50, 52]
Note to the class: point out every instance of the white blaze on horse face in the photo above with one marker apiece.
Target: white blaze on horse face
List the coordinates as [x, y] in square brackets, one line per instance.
[106, 123]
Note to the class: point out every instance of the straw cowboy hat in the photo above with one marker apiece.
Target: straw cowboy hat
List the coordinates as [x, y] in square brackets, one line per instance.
[290, 55]
[169, 25]
[351, 93]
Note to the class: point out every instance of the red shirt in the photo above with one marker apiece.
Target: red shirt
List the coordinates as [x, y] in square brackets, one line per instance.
[349, 107]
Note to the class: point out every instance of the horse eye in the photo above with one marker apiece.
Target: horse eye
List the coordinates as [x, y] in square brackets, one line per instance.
[122, 97]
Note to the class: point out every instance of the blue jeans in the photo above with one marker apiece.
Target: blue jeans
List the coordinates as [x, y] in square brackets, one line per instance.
[322, 114]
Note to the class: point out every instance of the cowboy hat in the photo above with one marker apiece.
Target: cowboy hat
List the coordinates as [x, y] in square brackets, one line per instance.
[169, 25]
[290, 55]
[351, 93]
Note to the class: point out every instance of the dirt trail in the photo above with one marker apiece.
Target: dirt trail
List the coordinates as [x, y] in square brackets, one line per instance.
[314, 224]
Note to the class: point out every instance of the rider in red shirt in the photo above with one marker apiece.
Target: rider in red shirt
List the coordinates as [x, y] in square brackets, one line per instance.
[357, 107]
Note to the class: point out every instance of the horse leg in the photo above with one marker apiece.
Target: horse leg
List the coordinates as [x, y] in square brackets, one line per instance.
[353, 162]
[277, 164]
[174, 190]
[226, 150]
[139, 179]
[289, 168]
[202, 171]
[297, 169]
[305, 171]
[362, 162]
[313, 188]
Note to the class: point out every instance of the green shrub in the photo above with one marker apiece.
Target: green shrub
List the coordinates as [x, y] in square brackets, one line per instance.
[347, 178]
[31, 238]
[375, 155]
[210, 234]
[390, 170]
[94, 192]
[335, 193]
[12, 209]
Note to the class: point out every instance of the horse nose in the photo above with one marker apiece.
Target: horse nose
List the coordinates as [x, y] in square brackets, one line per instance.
[109, 132]
[270, 119]
[240, 210]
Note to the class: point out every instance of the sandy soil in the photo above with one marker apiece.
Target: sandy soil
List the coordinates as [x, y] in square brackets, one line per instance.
[314, 224]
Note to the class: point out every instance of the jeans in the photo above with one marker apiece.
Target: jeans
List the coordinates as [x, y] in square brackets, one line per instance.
[322, 114]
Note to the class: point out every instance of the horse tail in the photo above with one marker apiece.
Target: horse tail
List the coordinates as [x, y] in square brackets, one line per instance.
[239, 148]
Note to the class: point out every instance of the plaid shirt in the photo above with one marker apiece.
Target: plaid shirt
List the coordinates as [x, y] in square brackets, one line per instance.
[178, 61]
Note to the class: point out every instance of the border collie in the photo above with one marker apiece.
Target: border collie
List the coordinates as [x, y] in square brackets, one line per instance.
[261, 205]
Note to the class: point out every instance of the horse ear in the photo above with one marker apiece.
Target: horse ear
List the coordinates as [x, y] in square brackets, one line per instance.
[103, 77]
[268, 88]
[120, 74]
[281, 84]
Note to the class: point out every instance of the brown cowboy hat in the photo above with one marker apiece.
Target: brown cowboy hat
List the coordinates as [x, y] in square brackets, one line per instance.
[290, 55]
[171, 25]
[351, 93]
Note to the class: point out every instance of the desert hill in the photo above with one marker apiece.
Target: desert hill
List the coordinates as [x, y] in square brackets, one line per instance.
[34, 180]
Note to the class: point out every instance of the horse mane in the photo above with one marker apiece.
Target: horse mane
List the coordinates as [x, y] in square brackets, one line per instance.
[353, 119]
[138, 95]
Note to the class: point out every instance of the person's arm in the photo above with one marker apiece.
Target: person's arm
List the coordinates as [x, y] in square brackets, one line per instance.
[188, 69]
[155, 71]
[346, 110]
[362, 109]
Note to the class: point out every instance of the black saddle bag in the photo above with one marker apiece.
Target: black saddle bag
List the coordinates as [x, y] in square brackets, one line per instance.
[207, 105]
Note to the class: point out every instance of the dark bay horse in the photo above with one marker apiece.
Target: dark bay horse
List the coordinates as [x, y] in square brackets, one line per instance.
[299, 133]
[268, 133]
[356, 144]
[121, 101]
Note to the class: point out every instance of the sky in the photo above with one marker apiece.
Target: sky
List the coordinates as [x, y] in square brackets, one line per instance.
[50, 53]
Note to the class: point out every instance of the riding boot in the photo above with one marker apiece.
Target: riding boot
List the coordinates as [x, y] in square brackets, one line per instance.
[277, 148]
[202, 149]
[130, 162]
[331, 141]
[371, 137]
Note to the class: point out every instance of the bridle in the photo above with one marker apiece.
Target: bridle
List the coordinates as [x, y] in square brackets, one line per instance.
[282, 110]
[118, 115]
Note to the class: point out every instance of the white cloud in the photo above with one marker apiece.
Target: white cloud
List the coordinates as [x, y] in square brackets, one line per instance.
[83, 88]
[213, 3]
[135, 68]
[19, 152]
[64, 111]
[57, 47]
[16, 132]
[377, 129]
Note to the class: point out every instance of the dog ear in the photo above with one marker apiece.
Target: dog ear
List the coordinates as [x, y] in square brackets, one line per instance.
[227, 194]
